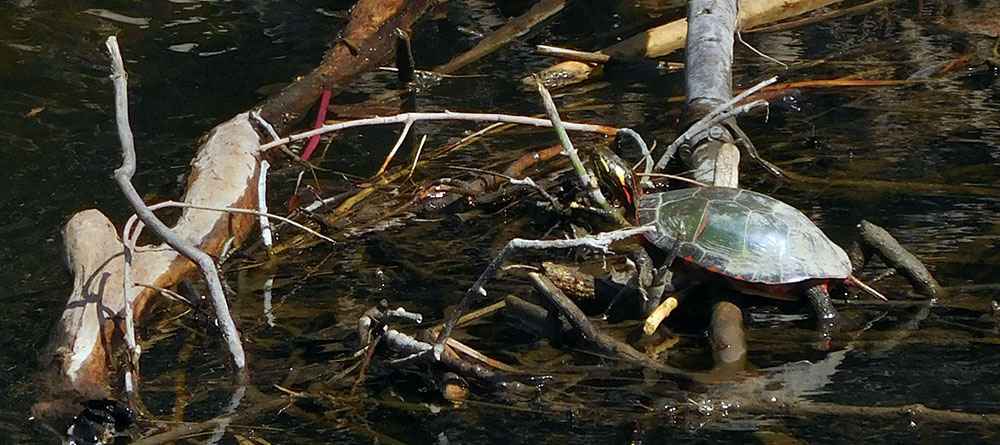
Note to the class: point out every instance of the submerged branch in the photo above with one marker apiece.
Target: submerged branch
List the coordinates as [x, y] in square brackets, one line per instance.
[595, 336]
[916, 412]
[601, 241]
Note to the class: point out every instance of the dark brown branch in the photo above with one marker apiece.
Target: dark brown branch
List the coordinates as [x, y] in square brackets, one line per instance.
[366, 42]
[897, 257]
[596, 337]
[514, 28]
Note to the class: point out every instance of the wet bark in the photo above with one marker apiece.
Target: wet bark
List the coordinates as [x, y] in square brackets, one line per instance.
[367, 42]
[879, 241]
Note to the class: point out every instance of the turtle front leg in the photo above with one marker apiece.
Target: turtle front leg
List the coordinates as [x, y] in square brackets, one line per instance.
[826, 314]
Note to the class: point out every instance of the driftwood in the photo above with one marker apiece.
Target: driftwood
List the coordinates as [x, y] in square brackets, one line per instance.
[665, 39]
[224, 173]
[123, 176]
[878, 240]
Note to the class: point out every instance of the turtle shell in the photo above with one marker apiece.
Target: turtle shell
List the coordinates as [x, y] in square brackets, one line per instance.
[741, 234]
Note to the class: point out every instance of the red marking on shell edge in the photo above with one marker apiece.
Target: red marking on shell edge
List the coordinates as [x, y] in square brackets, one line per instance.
[689, 258]
[740, 277]
[701, 227]
[712, 269]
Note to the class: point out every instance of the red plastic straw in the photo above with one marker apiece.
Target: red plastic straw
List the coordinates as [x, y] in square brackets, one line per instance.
[320, 119]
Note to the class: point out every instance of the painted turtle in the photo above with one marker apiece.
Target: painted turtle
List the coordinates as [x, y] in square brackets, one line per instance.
[735, 237]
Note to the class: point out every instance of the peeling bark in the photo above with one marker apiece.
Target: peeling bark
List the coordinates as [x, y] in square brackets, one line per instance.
[223, 174]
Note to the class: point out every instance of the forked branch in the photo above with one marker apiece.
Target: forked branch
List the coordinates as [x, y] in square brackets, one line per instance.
[123, 176]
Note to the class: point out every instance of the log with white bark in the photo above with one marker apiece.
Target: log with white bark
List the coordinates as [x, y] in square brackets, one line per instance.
[708, 85]
[86, 340]
[223, 174]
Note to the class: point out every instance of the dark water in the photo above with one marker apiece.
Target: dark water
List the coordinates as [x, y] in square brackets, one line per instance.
[193, 64]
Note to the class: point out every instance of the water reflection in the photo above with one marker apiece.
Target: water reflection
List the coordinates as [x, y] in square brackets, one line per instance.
[195, 63]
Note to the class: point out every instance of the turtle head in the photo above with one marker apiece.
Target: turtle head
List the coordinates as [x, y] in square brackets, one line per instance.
[616, 177]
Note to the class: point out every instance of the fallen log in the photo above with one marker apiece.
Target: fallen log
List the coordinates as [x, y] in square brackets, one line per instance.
[81, 359]
[85, 339]
[670, 37]
[366, 42]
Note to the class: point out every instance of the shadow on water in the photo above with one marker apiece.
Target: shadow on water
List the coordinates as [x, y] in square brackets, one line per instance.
[195, 63]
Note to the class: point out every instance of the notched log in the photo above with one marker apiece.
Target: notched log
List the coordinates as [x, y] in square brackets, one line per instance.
[223, 174]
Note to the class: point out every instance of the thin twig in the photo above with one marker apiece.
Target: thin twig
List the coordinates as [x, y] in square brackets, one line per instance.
[265, 225]
[168, 293]
[399, 142]
[263, 123]
[647, 156]
[416, 157]
[739, 36]
[676, 177]
[588, 183]
[186, 205]
[592, 57]
[573, 54]
[439, 116]
[713, 117]
[434, 74]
